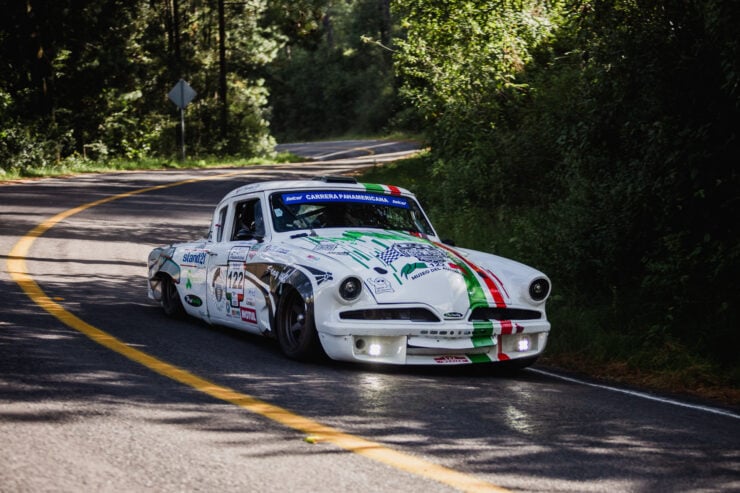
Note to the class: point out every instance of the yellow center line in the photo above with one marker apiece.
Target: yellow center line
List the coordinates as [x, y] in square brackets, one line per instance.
[19, 273]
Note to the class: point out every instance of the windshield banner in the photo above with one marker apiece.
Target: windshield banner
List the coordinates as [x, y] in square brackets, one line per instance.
[344, 196]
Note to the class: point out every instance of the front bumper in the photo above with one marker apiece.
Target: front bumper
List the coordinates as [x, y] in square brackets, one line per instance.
[456, 344]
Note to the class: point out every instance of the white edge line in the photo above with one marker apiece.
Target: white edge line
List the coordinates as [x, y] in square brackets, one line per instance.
[641, 395]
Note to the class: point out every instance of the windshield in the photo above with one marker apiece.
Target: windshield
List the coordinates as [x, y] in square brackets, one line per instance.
[346, 209]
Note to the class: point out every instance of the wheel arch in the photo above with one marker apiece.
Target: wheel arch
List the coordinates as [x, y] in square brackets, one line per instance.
[291, 277]
[161, 265]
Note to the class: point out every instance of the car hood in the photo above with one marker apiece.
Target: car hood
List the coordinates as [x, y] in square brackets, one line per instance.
[402, 268]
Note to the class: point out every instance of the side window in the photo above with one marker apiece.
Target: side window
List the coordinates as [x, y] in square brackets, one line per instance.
[249, 223]
[221, 223]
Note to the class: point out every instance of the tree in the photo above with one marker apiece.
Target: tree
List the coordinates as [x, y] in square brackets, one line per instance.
[327, 79]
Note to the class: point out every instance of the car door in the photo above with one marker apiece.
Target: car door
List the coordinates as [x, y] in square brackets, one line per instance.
[232, 299]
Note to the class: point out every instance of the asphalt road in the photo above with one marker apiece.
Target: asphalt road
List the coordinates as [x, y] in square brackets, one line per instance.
[77, 416]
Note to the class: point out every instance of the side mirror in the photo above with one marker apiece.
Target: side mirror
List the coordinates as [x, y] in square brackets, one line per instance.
[448, 241]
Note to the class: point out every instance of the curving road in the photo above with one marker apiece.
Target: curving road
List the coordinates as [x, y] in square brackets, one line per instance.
[77, 414]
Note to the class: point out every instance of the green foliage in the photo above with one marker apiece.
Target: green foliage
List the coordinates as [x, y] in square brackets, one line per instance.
[90, 79]
[597, 141]
[334, 82]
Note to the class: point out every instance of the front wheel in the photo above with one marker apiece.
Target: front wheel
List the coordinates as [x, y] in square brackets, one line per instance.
[171, 302]
[296, 331]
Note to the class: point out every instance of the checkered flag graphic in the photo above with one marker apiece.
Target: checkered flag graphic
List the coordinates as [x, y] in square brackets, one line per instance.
[389, 255]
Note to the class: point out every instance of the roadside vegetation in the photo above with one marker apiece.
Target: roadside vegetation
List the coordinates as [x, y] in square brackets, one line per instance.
[594, 139]
[71, 166]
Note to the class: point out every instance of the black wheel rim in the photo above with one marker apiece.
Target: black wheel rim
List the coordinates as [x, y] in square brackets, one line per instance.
[294, 320]
[170, 297]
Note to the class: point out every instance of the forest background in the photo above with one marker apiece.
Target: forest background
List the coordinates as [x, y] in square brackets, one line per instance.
[594, 139]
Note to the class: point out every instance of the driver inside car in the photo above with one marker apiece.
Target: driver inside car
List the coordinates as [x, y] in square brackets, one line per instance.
[250, 222]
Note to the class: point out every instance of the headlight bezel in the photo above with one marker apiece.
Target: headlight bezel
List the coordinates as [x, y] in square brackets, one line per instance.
[539, 289]
[349, 289]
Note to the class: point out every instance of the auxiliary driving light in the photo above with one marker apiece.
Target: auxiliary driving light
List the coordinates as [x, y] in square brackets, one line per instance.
[523, 344]
[389, 349]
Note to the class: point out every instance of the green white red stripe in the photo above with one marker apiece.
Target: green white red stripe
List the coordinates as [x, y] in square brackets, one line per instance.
[377, 188]
[491, 285]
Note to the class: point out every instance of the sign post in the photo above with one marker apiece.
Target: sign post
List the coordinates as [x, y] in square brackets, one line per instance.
[182, 94]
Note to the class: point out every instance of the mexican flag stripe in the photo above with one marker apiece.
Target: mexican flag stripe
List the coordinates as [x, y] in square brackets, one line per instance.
[373, 187]
[482, 341]
[482, 328]
[476, 295]
[501, 355]
[479, 358]
[492, 288]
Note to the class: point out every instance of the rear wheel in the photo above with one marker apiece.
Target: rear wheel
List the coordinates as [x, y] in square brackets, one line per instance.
[296, 331]
[171, 302]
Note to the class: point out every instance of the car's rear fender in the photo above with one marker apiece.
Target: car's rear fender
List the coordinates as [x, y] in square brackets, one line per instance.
[160, 266]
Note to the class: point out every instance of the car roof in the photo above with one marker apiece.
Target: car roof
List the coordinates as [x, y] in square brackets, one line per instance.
[321, 183]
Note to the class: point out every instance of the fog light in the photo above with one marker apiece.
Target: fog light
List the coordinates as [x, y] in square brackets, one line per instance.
[390, 349]
[523, 345]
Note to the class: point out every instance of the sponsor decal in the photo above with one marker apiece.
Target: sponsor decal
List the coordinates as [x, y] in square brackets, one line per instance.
[218, 285]
[249, 315]
[423, 252]
[282, 276]
[194, 258]
[250, 296]
[330, 248]
[447, 360]
[278, 249]
[319, 275]
[193, 300]
[408, 269]
[380, 285]
[238, 254]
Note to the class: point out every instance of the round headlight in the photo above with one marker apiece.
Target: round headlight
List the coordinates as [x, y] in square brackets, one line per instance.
[539, 289]
[350, 288]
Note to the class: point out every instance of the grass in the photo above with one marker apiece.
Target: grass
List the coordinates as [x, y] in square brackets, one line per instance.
[73, 166]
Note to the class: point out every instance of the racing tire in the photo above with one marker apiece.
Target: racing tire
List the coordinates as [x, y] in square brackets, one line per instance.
[296, 331]
[171, 303]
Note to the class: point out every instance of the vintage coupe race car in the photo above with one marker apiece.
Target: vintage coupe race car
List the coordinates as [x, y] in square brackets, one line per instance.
[354, 271]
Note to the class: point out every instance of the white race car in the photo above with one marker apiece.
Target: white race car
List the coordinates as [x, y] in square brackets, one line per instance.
[354, 271]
